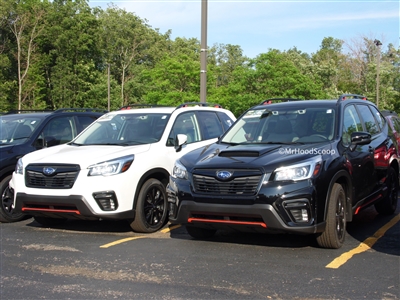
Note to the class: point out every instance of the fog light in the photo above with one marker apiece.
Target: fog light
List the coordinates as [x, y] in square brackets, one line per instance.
[107, 200]
[304, 215]
[298, 211]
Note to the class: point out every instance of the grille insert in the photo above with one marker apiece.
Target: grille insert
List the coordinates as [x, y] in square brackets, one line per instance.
[63, 178]
[246, 185]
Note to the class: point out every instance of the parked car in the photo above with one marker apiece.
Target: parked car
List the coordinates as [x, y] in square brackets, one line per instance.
[394, 123]
[117, 168]
[24, 131]
[302, 167]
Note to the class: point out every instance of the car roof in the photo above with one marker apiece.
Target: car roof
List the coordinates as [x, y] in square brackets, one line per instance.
[25, 115]
[389, 113]
[169, 109]
[295, 103]
[15, 114]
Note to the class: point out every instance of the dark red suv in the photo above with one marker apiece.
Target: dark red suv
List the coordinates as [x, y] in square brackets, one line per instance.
[394, 123]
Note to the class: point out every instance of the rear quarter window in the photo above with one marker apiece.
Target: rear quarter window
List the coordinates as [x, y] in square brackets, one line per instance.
[369, 121]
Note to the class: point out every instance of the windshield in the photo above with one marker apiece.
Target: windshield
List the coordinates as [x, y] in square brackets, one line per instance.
[280, 125]
[124, 129]
[15, 129]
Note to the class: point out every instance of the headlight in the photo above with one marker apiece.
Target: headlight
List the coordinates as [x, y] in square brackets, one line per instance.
[111, 167]
[19, 168]
[179, 171]
[298, 172]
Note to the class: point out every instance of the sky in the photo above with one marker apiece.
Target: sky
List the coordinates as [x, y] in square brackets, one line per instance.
[258, 26]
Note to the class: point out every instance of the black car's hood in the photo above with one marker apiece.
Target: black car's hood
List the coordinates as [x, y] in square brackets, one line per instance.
[268, 157]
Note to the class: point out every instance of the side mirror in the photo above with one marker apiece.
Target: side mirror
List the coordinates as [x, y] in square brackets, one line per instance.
[359, 138]
[51, 141]
[39, 144]
[180, 139]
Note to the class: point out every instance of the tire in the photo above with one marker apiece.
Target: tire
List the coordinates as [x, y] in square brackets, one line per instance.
[151, 208]
[48, 222]
[200, 233]
[335, 231]
[388, 205]
[7, 213]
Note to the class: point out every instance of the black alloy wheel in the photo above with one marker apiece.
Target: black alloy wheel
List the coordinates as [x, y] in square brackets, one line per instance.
[335, 231]
[388, 205]
[7, 212]
[151, 209]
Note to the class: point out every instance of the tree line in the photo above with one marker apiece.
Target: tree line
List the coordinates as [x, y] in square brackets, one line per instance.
[63, 53]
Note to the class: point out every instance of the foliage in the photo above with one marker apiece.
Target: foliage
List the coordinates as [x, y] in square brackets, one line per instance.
[62, 53]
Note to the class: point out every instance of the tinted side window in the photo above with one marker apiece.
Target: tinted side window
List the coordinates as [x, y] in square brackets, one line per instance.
[58, 130]
[210, 124]
[226, 121]
[396, 124]
[351, 123]
[369, 120]
[185, 123]
[84, 121]
[379, 118]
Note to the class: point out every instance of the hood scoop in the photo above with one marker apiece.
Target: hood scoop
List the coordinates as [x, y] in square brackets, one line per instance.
[247, 153]
[239, 153]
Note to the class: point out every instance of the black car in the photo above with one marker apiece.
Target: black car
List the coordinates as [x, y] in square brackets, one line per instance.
[23, 131]
[302, 167]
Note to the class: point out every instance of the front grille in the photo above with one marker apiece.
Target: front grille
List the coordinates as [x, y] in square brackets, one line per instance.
[246, 185]
[63, 178]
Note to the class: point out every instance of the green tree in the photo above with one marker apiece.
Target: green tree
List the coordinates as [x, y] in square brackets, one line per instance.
[128, 45]
[328, 65]
[25, 20]
[73, 60]
[176, 77]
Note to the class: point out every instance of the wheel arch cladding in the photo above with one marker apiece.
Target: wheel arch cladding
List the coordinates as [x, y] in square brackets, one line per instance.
[159, 173]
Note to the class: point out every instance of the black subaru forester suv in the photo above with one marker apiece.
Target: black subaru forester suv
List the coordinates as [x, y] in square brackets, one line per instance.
[303, 167]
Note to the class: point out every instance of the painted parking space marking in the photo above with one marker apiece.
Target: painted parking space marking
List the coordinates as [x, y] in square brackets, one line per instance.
[169, 229]
[165, 230]
[122, 241]
[364, 246]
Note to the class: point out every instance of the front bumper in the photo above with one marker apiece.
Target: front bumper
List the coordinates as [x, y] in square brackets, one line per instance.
[292, 210]
[90, 198]
[73, 207]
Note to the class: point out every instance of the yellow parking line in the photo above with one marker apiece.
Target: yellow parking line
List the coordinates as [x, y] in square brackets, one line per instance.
[168, 229]
[364, 246]
[121, 241]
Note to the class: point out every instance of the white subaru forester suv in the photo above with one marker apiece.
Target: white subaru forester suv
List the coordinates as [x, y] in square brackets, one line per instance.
[117, 168]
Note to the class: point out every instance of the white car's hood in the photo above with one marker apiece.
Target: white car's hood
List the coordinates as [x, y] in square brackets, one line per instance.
[82, 155]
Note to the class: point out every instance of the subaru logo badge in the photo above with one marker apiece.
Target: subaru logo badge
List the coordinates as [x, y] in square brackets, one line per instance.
[48, 171]
[223, 175]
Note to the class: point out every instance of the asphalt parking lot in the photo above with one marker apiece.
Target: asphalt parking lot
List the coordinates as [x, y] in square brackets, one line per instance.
[106, 260]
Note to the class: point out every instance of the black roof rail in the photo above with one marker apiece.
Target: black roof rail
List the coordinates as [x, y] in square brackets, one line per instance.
[203, 104]
[138, 105]
[269, 101]
[351, 96]
[20, 111]
[84, 109]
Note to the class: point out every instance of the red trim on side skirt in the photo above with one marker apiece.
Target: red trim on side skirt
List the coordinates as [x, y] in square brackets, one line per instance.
[365, 204]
